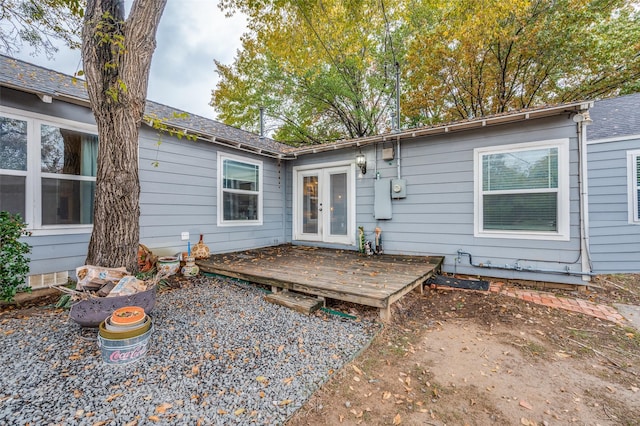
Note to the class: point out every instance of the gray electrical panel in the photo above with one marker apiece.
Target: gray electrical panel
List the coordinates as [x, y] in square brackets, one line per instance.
[382, 199]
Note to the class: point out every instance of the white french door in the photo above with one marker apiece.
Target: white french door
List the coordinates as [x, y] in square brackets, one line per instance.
[324, 204]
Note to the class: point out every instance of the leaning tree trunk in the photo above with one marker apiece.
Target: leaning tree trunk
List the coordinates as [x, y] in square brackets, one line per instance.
[117, 57]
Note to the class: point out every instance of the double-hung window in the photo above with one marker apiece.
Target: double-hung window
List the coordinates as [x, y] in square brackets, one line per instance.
[239, 191]
[47, 171]
[633, 171]
[522, 191]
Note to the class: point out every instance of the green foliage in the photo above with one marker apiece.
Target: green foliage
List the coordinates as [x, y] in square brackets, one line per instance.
[14, 265]
[324, 70]
[316, 68]
[164, 126]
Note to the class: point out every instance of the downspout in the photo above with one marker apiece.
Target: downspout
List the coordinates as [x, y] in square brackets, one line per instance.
[583, 120]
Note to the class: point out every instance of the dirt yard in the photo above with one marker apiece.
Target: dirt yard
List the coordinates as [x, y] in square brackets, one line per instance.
[463, 358]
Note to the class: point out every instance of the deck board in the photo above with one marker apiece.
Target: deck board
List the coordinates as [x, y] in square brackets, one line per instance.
[346, 275]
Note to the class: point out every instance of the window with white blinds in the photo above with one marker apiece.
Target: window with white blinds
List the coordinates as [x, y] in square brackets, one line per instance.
[522, 190]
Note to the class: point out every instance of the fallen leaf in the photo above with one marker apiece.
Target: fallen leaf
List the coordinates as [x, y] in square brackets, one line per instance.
[102, 423]
[132, 423]
[340, 418]
[195, 370]
[525, 404]
[114, 396]
[261, 379]
[154, 418]
[77, 393]
[397, 419]
[285, 402]
[356, 369]
[162, 408]
[280, 348]
[239, 411]
[386, 395]
[221, 411]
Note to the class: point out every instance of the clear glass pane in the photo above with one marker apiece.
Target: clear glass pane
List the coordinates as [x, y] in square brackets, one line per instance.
[67, 202]
[521, 212]
[238, 175]
[310, 205]
[338, 196]
[531, 169]
[13, 144]
[240, 206]
[68, 152]
[12, 194]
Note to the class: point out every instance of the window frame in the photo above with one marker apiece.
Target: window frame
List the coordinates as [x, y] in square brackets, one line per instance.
[563, 200]
[633, 158]
[34, 174]
[221, 190]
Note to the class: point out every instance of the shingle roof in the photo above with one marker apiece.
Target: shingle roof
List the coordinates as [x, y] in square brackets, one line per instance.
[615, 117]
[22, 75]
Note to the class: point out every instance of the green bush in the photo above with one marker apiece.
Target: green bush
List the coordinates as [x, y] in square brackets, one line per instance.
[14, 265]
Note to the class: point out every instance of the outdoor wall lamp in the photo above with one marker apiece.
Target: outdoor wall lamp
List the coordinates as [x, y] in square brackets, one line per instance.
[361, 161]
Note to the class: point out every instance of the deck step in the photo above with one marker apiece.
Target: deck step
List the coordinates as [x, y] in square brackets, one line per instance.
[295, 301]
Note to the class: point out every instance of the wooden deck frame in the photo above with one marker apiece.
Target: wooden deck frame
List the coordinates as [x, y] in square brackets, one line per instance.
[377, 281]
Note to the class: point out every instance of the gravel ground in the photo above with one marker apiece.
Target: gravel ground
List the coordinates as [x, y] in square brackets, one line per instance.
[219, 354]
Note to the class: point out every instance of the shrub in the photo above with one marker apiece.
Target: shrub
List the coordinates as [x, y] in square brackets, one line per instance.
[14, 265]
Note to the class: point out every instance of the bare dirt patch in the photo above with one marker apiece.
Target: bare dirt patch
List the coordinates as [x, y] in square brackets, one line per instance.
[454, 357]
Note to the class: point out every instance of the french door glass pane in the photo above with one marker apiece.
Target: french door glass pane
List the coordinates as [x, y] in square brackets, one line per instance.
[12, 194]
[13, 144]
[522, 212]
[67, 202]
[310, 205]
[338, 208]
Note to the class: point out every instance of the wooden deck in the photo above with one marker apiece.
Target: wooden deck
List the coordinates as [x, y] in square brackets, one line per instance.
[376, 281]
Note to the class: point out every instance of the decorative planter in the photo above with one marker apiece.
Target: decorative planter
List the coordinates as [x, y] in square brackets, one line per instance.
[168, 265]
[190, 269]
[200, 250]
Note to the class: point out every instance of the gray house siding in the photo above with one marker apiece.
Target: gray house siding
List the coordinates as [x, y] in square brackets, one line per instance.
[437, 216]
[614, 242]
[180, 195]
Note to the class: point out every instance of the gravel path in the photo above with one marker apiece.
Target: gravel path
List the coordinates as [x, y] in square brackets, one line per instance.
[219, 355]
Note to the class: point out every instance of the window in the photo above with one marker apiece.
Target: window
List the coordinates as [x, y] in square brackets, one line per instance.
[522, 191]
[633, 171]
[239, 191]
[47, 171]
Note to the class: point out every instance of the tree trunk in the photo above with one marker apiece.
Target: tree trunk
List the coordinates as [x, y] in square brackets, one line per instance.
[117, 57]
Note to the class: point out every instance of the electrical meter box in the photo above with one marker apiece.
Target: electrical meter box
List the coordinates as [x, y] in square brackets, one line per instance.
[398, 188]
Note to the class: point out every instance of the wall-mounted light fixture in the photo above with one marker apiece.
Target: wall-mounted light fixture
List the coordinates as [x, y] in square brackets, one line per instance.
[361, 161]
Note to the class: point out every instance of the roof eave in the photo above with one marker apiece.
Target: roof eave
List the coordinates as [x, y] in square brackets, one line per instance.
[447, 128]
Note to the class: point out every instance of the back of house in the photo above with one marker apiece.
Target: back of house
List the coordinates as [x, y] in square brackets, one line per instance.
[614, 184]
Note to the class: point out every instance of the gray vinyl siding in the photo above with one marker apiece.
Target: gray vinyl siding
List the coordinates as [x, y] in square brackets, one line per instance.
[177, 196]
[180, 195]
[437, 216]
[614, 242]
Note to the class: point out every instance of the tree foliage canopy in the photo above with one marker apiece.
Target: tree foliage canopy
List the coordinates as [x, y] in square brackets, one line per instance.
[39, 23]
[317, 70]
[324, 69]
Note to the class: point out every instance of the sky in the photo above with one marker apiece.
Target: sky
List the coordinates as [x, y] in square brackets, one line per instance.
[192, 33]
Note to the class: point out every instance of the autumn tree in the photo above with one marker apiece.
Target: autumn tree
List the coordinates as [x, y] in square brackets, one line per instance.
[322, 69]
[472, 59]
[116, 53]
[40, 24]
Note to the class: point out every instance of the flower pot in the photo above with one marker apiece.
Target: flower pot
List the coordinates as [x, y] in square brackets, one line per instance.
[168, 265]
